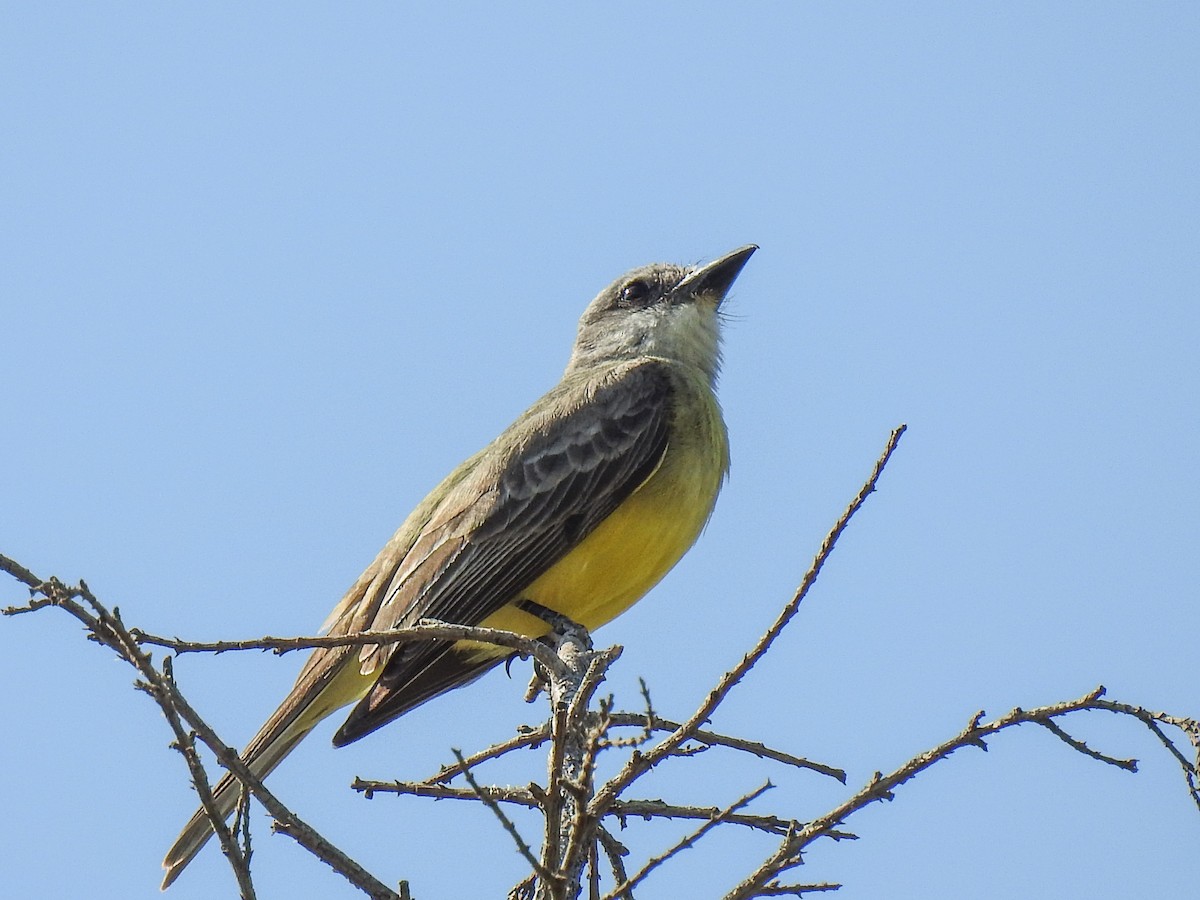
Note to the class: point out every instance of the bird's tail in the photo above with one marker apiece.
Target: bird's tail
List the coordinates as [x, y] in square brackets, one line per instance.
[328, 682]
[199, 829]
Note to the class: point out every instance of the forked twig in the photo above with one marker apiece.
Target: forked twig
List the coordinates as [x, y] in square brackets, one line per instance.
[640, 763]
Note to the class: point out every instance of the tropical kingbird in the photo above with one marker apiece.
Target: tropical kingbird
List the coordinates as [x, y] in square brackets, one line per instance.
[580, 507]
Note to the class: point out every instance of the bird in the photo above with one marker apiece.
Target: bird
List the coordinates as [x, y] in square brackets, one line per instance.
[577, 509]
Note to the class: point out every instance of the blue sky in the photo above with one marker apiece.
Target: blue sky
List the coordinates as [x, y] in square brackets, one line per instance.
[268, 273]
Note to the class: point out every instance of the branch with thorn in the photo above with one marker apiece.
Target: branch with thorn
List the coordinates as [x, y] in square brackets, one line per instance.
[577, 840]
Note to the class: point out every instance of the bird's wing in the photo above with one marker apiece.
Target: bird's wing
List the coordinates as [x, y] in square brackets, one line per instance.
[491, 528]
[561, 477]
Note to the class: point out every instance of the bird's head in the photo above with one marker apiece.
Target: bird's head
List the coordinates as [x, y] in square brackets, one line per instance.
[662, 310]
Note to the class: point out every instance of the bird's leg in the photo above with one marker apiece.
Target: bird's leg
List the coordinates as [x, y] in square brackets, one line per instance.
[563, 631]
[562, 628]
[574, 745]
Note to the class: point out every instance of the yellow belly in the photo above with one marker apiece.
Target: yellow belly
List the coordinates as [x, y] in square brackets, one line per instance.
[631, 550]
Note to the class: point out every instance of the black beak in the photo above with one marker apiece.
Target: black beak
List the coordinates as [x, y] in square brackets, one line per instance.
[718, 276]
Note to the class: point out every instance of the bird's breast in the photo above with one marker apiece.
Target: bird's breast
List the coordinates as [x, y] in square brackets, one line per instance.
[644, 537]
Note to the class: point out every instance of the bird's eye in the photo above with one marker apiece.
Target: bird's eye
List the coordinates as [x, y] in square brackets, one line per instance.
[636, 293]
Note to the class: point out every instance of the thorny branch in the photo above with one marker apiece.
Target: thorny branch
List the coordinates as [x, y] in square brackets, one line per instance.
[622, 811]
[423, 630]
[881, 787]
[576, 811]
[107, 628]
[685, 842]
[640, 763]
[532, 737]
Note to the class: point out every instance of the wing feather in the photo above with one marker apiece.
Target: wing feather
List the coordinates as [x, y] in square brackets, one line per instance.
[557, 481]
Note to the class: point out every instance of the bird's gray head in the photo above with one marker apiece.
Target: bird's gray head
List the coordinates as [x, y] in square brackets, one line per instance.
[660, 310]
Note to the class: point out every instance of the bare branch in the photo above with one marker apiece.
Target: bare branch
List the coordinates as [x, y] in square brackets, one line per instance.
[23, 575]
[426, 629]
[881, 786]
[505, 821]
[796, 890]
[622, 810]
[686, 842]
[185, 742]
[528, 739]
[576, 734]
[639, 763]
[1129, 765]
[615, 852]
[286, 821]
[532, 737]
[107, 628]
[714, 739]
[514, 795]
[575, 811]
[1153, 721]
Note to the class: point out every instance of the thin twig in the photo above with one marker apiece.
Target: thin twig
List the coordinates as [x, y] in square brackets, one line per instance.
[622, 810]
[657, 809]
[106, 627]
[615, 852]
[426, 629]
[1152, 720]
[505, 821]
[500, 794]
[286, 821]
[185, 742]
[533, 737]
[685, 842]
[881, 787]
[797, 890]
[529, 739]
[639, 763]
[657, 723]
[1129, 765]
